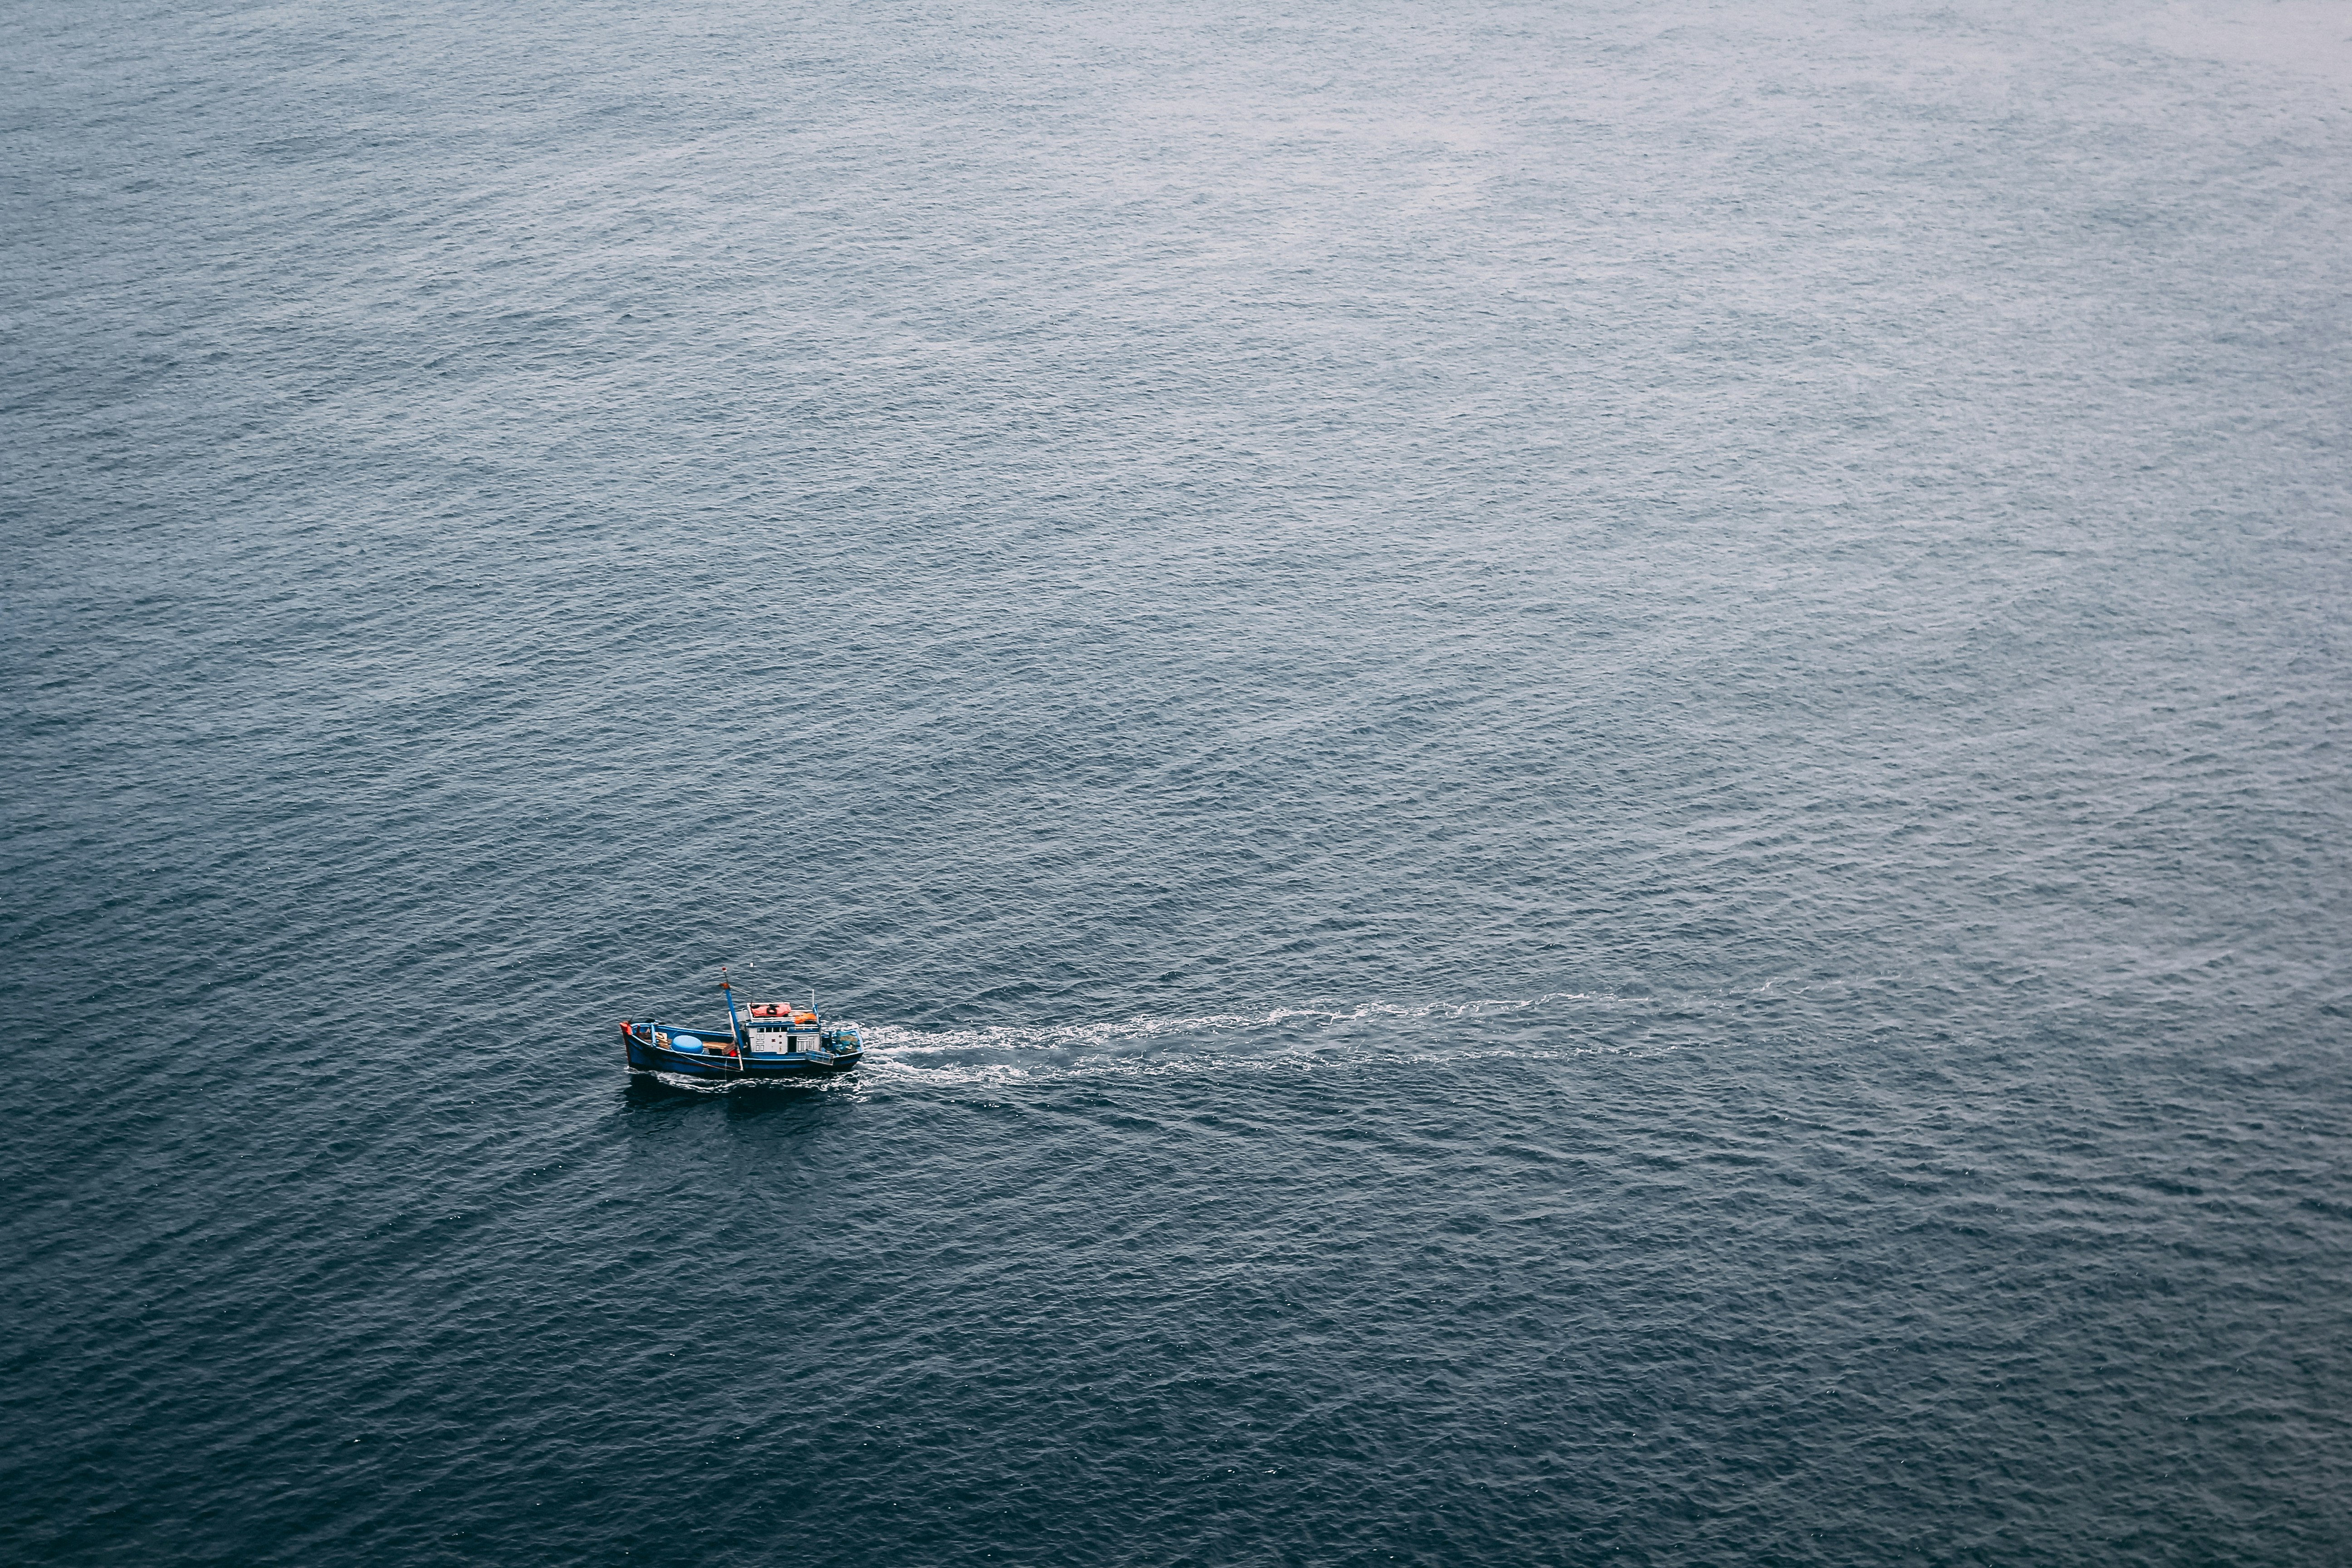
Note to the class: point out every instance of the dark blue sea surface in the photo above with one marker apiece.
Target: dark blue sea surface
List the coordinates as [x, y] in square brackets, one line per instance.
[1582, 768]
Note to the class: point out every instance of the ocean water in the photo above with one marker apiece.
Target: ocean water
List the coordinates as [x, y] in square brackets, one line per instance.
[1582, 768]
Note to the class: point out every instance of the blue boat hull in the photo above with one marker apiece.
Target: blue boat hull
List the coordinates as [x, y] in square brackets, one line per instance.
[645, 1057]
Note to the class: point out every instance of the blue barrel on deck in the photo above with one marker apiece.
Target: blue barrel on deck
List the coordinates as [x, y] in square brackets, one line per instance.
[685, 1044]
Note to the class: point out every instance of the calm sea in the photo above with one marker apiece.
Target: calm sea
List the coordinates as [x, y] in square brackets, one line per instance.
[1583, 767]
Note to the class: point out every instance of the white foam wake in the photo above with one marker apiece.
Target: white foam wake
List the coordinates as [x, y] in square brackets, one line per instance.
[902, 1042]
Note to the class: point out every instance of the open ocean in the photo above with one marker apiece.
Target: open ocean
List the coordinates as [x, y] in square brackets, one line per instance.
[1583, 768]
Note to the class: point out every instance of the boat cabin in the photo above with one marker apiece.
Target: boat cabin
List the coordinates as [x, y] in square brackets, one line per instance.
[775, 1029]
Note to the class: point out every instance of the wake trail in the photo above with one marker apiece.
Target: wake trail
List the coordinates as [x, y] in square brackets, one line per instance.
[901, 1042]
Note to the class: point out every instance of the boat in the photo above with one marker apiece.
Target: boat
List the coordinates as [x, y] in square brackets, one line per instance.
[763, 1042]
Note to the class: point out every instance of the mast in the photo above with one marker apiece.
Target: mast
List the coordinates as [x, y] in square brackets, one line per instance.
[732, 1021]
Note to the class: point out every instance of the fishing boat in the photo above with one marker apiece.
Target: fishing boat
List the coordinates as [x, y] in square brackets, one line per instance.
[763, 1041]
